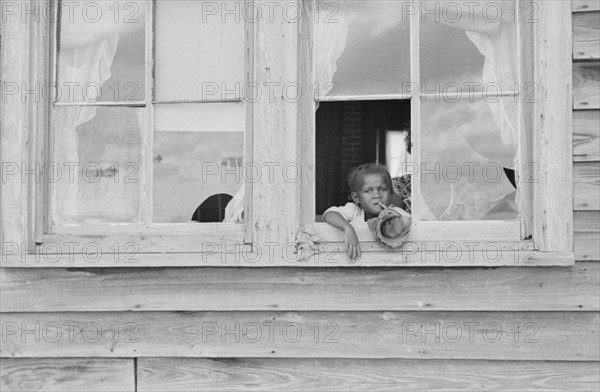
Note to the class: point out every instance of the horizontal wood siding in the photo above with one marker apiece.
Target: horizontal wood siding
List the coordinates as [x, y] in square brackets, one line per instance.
[586, 85]
[585, 5]
[325, 375]
[586, 129]
[360, 289]
[586, 136]
[586, 178]
[67, 374]
[586, 35]
[587, 246]
[551, 336]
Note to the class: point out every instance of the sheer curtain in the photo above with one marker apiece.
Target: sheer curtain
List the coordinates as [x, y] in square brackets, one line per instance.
[87, 46]
[331, 33]
[492, 29]
[494, 37]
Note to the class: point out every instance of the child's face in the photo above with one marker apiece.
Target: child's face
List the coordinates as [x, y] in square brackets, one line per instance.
[373, 191]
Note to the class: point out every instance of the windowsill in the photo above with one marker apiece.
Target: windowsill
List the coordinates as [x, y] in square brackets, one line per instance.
[430, 244]
[330, 255]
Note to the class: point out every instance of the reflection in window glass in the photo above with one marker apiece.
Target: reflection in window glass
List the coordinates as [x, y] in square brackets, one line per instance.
[361, 47]
[470, 46]
[447, 45]
[398, 157]
[101, 52]
[199, 53]
[126, 83]
[98, 159]
[465, 161]
[198, 153]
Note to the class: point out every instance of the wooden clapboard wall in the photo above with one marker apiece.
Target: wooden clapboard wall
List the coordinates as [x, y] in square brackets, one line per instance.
[152, 318]
[586, 128]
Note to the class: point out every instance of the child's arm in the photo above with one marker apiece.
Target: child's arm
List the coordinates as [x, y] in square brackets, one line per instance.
[336, 220]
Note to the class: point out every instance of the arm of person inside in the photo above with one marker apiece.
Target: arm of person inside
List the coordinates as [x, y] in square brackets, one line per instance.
[336, 220]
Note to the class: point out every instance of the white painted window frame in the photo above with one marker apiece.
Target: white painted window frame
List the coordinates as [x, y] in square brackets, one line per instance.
[540, 236]
[148, 237]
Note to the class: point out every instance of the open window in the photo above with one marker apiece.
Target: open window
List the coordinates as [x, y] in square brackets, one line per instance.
[467, 71]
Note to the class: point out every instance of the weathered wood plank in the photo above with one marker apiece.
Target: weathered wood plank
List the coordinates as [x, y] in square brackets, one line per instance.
[146, 239]
[586, 135]
[586, 35]
[275, 128]
[487, 254]
[586, 85]
[228, 289]
[267, 374]
[526, 115]
[587, 221]
[586, 186]
[64, 374]
[586, 5]
[14, 126]
[553, 224]
[229, 237]
[249, 132]
[587, 246]
[306, 152]
[550, 336]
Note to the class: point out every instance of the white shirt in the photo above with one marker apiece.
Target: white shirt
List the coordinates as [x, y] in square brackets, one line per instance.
[350, 212]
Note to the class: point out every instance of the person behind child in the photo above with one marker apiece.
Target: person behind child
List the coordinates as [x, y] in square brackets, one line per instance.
[370, 184]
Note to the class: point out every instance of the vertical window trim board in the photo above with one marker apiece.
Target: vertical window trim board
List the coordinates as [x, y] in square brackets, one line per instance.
[23, 120]
[553, 127]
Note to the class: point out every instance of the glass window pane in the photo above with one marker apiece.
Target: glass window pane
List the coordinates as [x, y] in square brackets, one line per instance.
[199, 50]
[97, 170]
[198, 153]
[466, 160]
[362, 47]
[468, 46]
[101, 52]
[199, 117]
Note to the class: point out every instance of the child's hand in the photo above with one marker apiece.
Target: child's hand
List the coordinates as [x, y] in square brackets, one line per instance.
[351, 242]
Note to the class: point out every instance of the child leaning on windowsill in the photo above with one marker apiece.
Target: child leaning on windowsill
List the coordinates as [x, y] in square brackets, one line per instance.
[370, 186]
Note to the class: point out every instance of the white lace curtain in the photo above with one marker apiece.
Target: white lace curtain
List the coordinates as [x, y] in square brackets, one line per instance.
[495, 41]
[88, 44]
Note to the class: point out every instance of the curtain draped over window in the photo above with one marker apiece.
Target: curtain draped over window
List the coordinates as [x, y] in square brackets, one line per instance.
[495, 36]
[494, 40]
[88, 44]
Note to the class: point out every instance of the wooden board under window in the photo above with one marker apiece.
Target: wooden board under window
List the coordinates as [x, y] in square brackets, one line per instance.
[329, 375]
[566, 336]
[231, 289]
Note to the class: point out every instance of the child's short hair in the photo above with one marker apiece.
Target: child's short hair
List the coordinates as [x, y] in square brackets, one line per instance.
[355, 178]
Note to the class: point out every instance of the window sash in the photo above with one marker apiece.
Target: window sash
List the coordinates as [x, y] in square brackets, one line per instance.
[147, 105]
